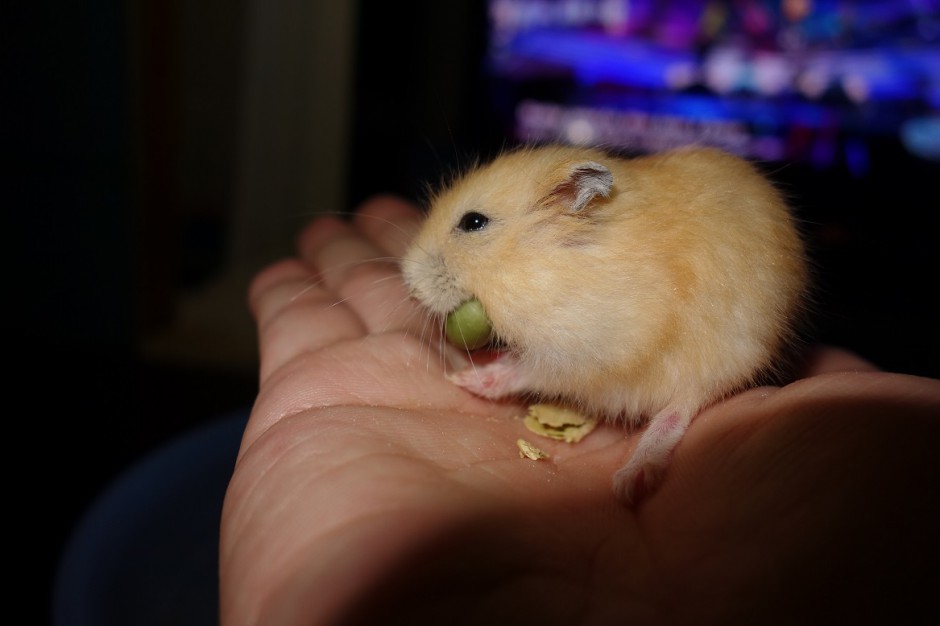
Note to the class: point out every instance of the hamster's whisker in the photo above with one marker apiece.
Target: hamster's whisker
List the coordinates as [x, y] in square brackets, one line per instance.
[378, 281]
[384, 221]
[313, 284]
[337, 303]
[401, 302]
[321, 274]
[430, 321]
[427, 335]
[346, 216]
[420, 262]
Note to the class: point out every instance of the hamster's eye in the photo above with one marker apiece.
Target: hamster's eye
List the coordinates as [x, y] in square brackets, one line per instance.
[473, 221]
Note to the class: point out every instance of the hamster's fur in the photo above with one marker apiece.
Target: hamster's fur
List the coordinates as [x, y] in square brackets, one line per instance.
[638, 289]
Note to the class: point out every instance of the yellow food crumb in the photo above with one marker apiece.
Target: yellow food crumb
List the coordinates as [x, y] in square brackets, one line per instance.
[558, 422]
[528, 451]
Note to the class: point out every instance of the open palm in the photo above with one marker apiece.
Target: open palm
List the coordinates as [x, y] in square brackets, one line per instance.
[370, 490]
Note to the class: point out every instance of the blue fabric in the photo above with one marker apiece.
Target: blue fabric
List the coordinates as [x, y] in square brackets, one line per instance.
[146, 552]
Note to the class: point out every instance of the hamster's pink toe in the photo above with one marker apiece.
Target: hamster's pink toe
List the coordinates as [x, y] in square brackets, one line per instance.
[633, 483]
[645, 471]
[496, 379]
[475, 381]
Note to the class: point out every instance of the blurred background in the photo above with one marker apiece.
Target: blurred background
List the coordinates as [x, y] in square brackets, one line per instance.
[157, 153]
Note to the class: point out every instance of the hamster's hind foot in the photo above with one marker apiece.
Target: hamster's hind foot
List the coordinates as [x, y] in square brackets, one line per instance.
[645, 470]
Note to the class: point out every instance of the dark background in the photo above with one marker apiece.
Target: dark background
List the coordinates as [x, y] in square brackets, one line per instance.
[105, 245]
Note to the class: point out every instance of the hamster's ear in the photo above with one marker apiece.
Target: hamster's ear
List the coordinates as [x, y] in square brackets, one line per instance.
[584, 182]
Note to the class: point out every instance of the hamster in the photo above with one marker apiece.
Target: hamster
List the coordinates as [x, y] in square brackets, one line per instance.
[638, 289]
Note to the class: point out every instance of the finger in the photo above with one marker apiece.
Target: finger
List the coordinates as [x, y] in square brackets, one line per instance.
[389, 222]
[296, 315]
[825, 360]
[360, 274]
[330, 242]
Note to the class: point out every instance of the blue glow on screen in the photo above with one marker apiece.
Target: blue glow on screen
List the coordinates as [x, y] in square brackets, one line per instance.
[844, 72]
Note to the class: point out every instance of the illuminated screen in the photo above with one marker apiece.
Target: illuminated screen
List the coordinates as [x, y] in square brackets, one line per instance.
[799, 81]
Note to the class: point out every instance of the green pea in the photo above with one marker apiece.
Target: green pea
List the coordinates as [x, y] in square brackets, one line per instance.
[468, 326]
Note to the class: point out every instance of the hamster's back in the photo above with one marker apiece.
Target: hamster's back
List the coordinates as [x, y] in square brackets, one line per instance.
[716, 241]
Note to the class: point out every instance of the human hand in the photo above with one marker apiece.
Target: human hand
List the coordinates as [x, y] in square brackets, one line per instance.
[370, 489]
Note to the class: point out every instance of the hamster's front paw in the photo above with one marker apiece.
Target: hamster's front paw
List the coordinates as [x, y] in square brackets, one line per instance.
[496, 379]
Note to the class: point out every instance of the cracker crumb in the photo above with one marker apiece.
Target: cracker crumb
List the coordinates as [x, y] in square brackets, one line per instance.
[528, 451]
[558, 422]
